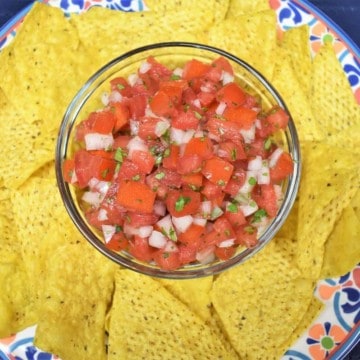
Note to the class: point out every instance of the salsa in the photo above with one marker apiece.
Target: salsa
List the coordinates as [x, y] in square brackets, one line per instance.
[180, 165]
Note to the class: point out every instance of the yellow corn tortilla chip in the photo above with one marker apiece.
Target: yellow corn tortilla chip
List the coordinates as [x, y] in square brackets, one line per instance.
[242, 298]
[147, 322]
[330, 179]
[355, 203]
[333, 101]
[286, 82]
[250, 37]
[97, 27]
[77, 292]
[237, 8]
[296, 44]
[342, 248]
[195, 293]
[47, 171]
[289, 229]
[311, 313]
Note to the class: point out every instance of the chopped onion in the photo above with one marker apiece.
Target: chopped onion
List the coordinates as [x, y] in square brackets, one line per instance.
[74, 178]
[96, 141]
[105, 98]
[248, 134]
[115, 97]
[102, 215]
[93, 198]
[132, 79]
[145, 231]
[130, 230]
[161, 127]
[249, 208]
[205, 208]
[136, 143]
[189, 134]
[159, 208]
[171, 247]
[226, 243]
[178, 72]
[248, 184]
[176, 135]
[255, 164]
[258, 124]
[144, 67]
[263, 177]
[206, 255]
[166, 225]
[216, 212]
[148, 112]
[134, 127]
[199, 221]
[197, 103]
[98, 185]
[182, 223]
[199, 134]
[108, 232]
[220, 108]
[157, 239]
[226, 77]
[274, 157]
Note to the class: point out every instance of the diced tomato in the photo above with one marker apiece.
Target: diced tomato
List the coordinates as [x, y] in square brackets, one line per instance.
[189, 164]
[235, 216]
[137, 105]
[136, 219]
[192, 235]
[246, 235]
[283, 168]
[121, 85]
[256, 148]
[68, 169]
[187, 254]
[223, 227]
[231, 94]
[136, 196]
[122, 115]
[170, 161]
[223, 64]
[235, 183]
[167, 260]
[193, 180]
[144, 160]
[230, 151]
[206, 98]
[141, 250]
[265, 197]
[185, 120]
[201, 146]
[225, 253]
[242, 116]
[121, 141]
[224, 129]
[158, 70]
[181, 203]
[218, 171]
[210, 190]
[89, 166]
[194, 69]
[278, 118]
[163, 179]
[161, 104]
[118, 242]
[174, 90]
[129, 171]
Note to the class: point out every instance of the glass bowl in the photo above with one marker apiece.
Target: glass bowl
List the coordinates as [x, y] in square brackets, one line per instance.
[172, 54]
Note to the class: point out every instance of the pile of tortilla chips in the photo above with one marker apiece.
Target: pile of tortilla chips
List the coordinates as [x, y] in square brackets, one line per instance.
[85, 306]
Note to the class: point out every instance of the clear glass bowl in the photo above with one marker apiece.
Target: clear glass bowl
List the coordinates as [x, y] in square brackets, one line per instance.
[172, 54]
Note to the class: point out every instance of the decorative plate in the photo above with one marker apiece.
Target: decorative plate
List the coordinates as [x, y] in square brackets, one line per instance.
[337, 329]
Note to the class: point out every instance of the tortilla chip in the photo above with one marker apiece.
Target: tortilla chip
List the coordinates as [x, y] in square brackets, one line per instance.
[241, 297]
[47, 171]
[296, 44]
[355, 203]
[286, 82]
[342, 248]
[138, 29]
[147, 322]
[77, 293]
[250, 37]
[333, 101]
[311, 313]
[330, 179]
[289, 229]
[194, 293]
[244, 7]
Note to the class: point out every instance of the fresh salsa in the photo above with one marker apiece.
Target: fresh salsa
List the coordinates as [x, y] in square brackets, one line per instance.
[180, 166]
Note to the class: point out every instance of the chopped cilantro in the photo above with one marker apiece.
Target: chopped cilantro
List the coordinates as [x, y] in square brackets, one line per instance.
[166, 135]
[249, 229]
[172, 234]
[119, 155]
[118, 228]
[258, 215]
[232, 208]
[181, 202]
[160, 175]
[252, 181]
[221, 182]
[136, 177]
[197, 115]
[104, 173]
[267, 143]
[117, 168]
[167, 152]
[165, 255]
[233, 154]
[120, 86]
[186, 107]
[175, 77]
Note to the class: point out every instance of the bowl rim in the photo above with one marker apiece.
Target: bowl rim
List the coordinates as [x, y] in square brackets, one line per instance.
[186, 272]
